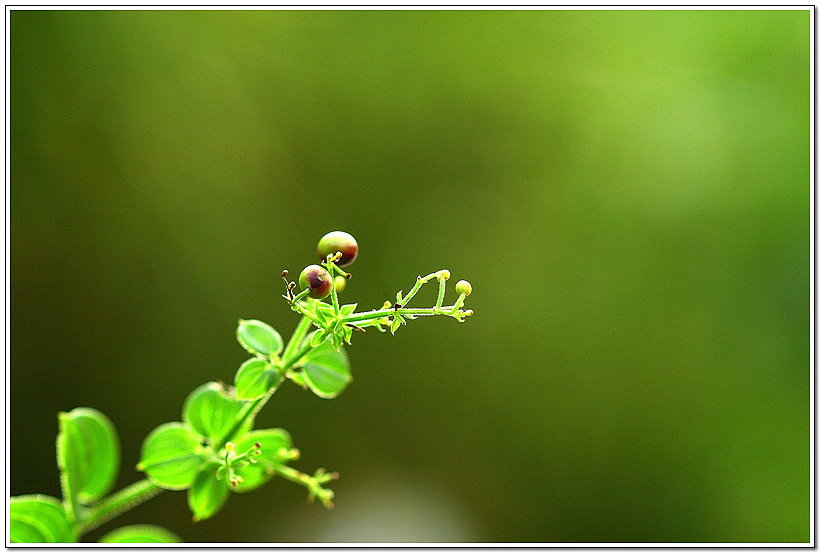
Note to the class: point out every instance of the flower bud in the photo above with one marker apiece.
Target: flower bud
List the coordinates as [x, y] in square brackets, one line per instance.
[464, 287]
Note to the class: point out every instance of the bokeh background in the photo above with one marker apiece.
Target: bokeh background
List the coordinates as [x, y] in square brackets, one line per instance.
[627, 191]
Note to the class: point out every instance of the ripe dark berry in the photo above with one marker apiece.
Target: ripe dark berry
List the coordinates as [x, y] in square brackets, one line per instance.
[317, 280]
[338, 241]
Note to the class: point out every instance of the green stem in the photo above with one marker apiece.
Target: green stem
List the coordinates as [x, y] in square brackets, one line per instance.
[459, 302]
[289, 358]
[417, 287]
[334, 299]
[296, 306]
[249, 410]
[290, 361]
[441, 289]
[297, 337]
[379, 313]
[113, 505]
[312, 483]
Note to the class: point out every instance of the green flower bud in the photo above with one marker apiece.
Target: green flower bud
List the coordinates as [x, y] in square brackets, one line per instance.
[338, 241]
[317, 279]
[464, 287]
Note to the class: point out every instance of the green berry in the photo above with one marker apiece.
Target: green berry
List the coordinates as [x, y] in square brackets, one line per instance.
[464, 287]
[317, 279]
[338, 241]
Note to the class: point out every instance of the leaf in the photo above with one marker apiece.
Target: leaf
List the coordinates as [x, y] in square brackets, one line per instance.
[318, 338]
[348, 333]
[211, 411]
[88, 454]
[276, 443]
[171, 456]
[324, 312]
[321, 317]
[327, 371]
[208, 494]
[38, 519]
[347, 310]
[336, 340]
[140, 533]
[395, 323]
[254, 379]
[259, 338]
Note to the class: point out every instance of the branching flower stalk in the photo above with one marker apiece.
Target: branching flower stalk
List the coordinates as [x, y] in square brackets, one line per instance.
[214, 449]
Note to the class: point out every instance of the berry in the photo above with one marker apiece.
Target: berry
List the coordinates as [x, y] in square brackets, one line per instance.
[340, 282]
[338, 241]
[317, 279]
[464, 287]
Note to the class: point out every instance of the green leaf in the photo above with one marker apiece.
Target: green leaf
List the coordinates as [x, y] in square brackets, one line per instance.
[88, 454]
[348, 333]
[254, 379]
[347, 310]
[395, 324]
[276, 444]
[336, 340]
[321, 318]
[38, 519]
[208, 494]
[259, 338]
[318, 338]
[140, 533]
[211, 411]
[327, 371]
[324, 312]
[171, 456]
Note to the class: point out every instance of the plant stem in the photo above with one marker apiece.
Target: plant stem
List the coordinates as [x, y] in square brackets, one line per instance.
[288, 363]
[247, 411]
[379, 313]
[417, 287]
[289, 358]
[312, 483]
[296, 306]
[297, 337]
[441, 290]
[113, 505]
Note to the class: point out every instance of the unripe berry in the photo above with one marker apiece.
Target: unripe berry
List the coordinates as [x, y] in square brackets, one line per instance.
[464, 287]
[317, 279]
[340, 282]
[338, 241]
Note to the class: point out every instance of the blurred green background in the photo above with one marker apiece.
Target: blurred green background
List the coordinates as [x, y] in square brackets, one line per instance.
[627, 191]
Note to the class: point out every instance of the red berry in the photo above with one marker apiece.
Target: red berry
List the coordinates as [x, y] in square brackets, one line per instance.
[338, 241]
[317, 279]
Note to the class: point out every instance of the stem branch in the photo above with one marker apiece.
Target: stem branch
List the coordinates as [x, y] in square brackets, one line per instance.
[113, 505]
